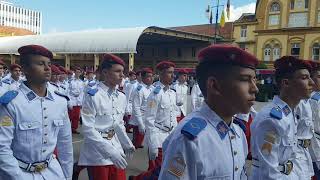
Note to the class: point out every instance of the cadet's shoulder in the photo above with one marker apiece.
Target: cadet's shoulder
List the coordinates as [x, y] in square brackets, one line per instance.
[157, 90]
[62, 95]
[7, 81]
[192, 127]
[7, 97]
[92, 91]
[316, 96]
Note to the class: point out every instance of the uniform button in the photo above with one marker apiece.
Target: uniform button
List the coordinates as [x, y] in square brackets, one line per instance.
[44, 108]
[45, 142]
[236, 168]
[29, 126]
[232, 137]
[45, 125]
[44, 151]
[235, 153]
[46, 134]
[45, 117]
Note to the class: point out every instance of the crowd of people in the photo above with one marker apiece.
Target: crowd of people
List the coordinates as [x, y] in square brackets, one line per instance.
[41, 109]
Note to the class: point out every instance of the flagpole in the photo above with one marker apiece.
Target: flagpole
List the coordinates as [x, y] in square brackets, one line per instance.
[216, 25]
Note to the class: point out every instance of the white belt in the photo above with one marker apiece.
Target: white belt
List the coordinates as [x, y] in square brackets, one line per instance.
[37, 166]
[162, 127]
[285, 168]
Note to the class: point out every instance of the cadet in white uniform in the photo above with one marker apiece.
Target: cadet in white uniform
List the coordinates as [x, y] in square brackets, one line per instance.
[14, 80]
[160, 117]
[274, 138]
[3, 86]
[181, 88]
[139, 104]
[207, 144]
[303, 159]
[33, 122]
[315, 106]
[76, 92]
[196, 97]
[105, 139]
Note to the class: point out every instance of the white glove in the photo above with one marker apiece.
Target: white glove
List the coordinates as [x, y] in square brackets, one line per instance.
[318, 164]
[129, 152]
[142, 129]
[153, 154]
[70, 107]
[118, 159]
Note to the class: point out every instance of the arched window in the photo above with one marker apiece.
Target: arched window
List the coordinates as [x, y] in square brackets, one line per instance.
[276, 52]
[275, 7]
[267, 53]
[316, 51]
[274, 14]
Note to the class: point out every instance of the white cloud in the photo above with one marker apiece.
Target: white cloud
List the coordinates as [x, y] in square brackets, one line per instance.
[236, 12]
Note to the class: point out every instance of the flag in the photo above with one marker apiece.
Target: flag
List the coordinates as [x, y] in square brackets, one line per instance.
[208, 12]
[222, 20]
[228, 9]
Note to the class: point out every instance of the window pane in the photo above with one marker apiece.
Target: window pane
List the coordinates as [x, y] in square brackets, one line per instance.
[274, 19]
[267, 52]
[298, 20]
[275, 7]
[306, 4]
[276, 53]
[295, 49]
[292, 4]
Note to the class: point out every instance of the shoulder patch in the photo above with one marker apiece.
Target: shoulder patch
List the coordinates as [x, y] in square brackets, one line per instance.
[8, 96]
[316, 96]
[7, 81]
[192, 128]
[139, 87]
[92, 92]
[62, 95]
[240, 123]
[276, 113]
[157, 90]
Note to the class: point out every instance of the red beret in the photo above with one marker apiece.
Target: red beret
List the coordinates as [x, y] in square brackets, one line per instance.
[36, 50]
[132, 73]
[227, 54]
[289, 64]
[2, 62]
[147, 70]
[55, 70]
[182, 71]
[165, 65]
[315, 65]
[62, 69]
[13, 66]
[77, 68]
[114, 59]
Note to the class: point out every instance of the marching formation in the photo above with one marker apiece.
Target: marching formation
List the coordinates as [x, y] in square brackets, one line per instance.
[223, 137]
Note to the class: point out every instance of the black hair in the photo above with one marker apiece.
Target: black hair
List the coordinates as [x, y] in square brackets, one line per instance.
[25, 60]
[205, 69]
[106, 65]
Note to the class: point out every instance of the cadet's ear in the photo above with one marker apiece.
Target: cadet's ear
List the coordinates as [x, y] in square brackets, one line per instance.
[284, 82]
[213, 86]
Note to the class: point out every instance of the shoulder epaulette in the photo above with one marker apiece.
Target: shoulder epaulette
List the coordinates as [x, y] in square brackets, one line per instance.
[91, 84]
[192, 128]
[62, 95]
[121, 91]
[157, 90]
[240, 123]
[8, 97]
[92, 92]
[139, 87]
[276, 113]
[173, 89]
[7, 81]
[63, 87]
[316, 96]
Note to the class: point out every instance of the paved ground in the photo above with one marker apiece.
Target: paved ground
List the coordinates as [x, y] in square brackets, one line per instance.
[139, 162]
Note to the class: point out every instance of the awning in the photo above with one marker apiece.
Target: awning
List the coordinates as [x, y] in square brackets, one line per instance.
[117, 41]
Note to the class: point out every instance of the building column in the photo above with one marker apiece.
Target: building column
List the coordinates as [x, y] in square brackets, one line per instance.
[12, 59]
[67, 62]
[96, 61]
